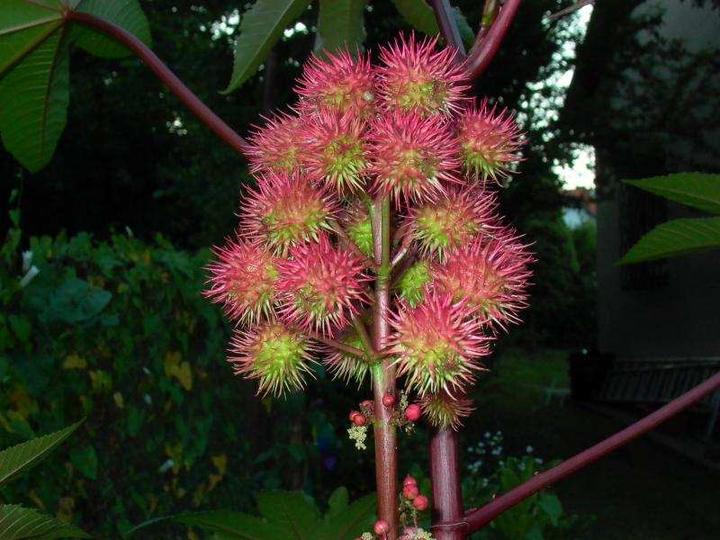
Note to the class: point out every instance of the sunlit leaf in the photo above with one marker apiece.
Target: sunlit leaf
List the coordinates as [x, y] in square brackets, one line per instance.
[701, 191]
[260, 28]
[341, 25]
[676, 237]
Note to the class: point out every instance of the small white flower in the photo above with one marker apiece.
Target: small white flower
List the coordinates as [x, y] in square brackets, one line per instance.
[147, 399]
[165, 467]
[529, 449]
[29, 276]
[26, 260]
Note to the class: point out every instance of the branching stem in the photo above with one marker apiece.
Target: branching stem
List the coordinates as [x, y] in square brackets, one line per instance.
[344, 347]
[166, 76]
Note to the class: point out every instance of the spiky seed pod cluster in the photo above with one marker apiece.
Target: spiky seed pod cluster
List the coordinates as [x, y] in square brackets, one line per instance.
[297, 276]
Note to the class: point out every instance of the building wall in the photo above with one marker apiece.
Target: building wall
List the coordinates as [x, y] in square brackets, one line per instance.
[680, 318]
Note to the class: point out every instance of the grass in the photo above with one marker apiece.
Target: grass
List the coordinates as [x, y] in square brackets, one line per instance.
[642, 491]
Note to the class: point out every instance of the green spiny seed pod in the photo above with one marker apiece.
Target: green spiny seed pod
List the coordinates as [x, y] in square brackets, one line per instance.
[412, 284]
[278, 357]
[444, 411]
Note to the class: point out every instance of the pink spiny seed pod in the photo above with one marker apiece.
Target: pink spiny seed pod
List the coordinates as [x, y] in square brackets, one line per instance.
[286, 211]
[276, 356]
[340, 83]
[322, 288]
[412, 156]
[345, 366]
[444, 411]
[491, 275]
[490, 142]
[243, 281]
[416, 76]
[452, 221]
[438, 344]
[413, 412]
[276, 146]
[335, 151]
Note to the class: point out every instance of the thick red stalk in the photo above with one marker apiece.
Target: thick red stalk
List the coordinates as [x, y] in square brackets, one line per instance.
[448, 521]
[386, 471]
[484, 53]
[448, 26]
[477, 519]
[166, 76]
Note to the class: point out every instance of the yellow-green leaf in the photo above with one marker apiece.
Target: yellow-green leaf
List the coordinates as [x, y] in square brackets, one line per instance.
[23, 456]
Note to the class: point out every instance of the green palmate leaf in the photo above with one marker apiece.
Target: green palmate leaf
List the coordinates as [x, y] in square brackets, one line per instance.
[235, 525]
[23, 27]
[125, 13]
[34, 95]
[350, 523]
[341, 25]
[17, 523]
[676, 237]
[698, 190]
[21, 457]
[34, 67]
[291, 509]
[260, 28]
[421, 16]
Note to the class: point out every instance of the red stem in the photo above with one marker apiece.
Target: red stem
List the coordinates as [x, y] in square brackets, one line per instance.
[448, 522]
[166, 76]
[483, 54]
[386, 468]
[477, 519]
[448, 27]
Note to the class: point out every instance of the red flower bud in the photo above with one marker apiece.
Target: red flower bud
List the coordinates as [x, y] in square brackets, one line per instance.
[388, 400]
[353, 414]
[410, 491]
[409, 481]
[381, 527]
[413, 412]
[421, 503]
[359, 420]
